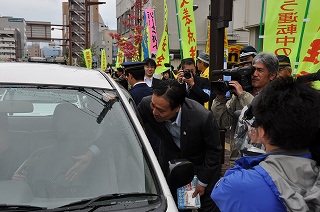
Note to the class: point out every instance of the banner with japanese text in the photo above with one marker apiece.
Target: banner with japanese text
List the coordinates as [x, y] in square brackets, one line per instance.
[145, 39]
[153, 39]
[188, 28]
[311, 60]
[120, 58]
[103, 60]
[289, 27]
[163, 50]
[87, 57]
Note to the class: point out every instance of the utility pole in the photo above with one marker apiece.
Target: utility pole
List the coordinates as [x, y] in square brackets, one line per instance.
[221, 14]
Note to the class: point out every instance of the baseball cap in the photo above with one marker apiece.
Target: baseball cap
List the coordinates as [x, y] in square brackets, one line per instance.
[204, 57]
[283, 61]
[133, 66]
[247, 51]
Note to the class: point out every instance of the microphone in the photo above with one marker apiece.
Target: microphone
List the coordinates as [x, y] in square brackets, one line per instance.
[309, 77]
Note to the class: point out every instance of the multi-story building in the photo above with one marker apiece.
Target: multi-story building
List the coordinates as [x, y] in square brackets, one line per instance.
[13, 38]
[86, 27]
[34, 50]
[109, 46]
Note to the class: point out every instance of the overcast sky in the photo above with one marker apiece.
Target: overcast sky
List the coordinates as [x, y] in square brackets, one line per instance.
[51, 10]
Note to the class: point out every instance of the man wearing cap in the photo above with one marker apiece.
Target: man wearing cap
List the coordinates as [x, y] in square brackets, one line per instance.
[247, 54]
[284, 66]
[134, 72]
[203, 64]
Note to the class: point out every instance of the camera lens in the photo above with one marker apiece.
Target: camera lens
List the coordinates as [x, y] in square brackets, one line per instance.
[187, 74]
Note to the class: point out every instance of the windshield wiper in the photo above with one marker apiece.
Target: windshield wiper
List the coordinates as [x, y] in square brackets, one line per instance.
[5, 207]
[87, 203]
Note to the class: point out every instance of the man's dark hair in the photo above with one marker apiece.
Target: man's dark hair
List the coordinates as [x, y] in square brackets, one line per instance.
[269, 60]
[150, 62]
[171, 90]
[187, 61]
[289, 113]
[120, 69]
[136, 74]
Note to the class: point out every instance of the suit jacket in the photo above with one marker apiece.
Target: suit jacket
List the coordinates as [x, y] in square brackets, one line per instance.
[139, 91]
[199, 141]
[197, 93]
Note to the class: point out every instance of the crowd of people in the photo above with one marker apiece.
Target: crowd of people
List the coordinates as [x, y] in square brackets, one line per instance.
[280, 117]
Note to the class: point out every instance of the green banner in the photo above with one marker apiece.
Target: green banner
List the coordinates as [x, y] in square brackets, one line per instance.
[188, 28]
[283, 24]
[163, 49]
[310, 62]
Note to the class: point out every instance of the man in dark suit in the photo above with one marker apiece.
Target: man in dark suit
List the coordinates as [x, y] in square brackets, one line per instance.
[188, 131]
[134, 72]
[198, 88]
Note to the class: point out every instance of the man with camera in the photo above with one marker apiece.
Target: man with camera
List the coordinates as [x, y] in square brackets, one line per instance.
[198, 88]
[265, 67]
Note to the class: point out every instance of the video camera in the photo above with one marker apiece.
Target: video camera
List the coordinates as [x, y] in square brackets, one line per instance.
[242, 75]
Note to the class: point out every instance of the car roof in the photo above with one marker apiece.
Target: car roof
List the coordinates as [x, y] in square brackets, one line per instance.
[51, 74]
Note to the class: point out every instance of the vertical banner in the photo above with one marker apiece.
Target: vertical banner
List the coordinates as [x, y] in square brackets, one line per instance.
[103, 60]
[153, 39]
[163, 51]
[283, 25]
[311, 60]
[87, 57]
[188, 29]
[145, 39]
[120, 58]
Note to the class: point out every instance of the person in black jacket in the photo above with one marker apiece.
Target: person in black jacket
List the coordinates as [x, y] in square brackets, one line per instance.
[187, 131]
[134, 72]
[198, 88]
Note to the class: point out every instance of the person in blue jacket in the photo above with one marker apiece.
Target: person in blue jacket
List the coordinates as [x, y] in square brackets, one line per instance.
[285, 178]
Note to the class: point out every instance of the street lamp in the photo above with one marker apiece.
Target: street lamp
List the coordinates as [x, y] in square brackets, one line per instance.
[88, 3]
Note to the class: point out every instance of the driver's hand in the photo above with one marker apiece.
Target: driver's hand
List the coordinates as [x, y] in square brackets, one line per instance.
[21, 176]
[237, 87]
[82, 163]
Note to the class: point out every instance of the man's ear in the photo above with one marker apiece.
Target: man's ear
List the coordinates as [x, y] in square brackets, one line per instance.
[262, 133]
[177, 109]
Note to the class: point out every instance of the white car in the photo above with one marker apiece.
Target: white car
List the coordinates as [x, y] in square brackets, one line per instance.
[70, 140]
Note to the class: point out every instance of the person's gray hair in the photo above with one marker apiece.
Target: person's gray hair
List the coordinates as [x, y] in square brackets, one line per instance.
[269, 60]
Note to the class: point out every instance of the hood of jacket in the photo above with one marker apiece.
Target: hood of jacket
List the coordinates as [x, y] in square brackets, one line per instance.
[297, 180]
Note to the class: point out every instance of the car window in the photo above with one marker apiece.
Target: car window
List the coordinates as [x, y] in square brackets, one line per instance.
[47, 130]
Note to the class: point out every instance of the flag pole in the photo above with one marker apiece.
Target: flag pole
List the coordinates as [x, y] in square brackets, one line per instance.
[260, 29]
[178, 23]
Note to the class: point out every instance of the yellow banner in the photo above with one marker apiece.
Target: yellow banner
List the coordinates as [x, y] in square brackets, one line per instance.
[87, 57]
[311, 60]
[163, 49]
[188, 28]
[120, 58]
[103, 60]
[287, 30]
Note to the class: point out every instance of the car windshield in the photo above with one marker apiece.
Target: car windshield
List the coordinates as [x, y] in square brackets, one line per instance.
[45, 131]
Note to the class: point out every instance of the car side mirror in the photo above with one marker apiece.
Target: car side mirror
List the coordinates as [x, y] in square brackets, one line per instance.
[181, 173]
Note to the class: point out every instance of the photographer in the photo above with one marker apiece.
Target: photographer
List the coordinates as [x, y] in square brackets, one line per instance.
[198, 88]
[266, 67]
